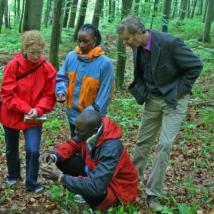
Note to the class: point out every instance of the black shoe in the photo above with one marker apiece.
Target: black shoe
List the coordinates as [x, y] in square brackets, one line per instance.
[38, 189]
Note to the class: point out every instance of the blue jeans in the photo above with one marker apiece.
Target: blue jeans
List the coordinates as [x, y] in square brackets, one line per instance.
[32, 146]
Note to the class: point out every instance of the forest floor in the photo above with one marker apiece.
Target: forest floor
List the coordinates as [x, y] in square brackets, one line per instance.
[189, 183]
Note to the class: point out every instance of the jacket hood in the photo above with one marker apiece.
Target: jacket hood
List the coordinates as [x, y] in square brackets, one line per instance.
[110, 131]
[26, 64]
[92, 54]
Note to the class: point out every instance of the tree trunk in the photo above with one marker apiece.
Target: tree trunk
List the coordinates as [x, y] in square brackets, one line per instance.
[193, 9]
[175, 8]
[47, 12]
[32, 15]
[205, 10]
[66, 13]
[22, 15]
[2, 9]
[200, 8]
[97, 12]
[56, 32]
[121, 49]
[6, 16]
[109, 11]
[166, 14]
[18, 9]
[73, 11]
[136, 7]
[155, 10]
[183, 10]
[81, 18]
[113, 9]
[208, 21]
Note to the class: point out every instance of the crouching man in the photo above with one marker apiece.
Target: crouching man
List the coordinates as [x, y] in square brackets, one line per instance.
[95, 164]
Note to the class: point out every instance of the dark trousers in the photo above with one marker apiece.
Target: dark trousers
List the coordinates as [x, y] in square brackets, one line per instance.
[75, 167]
[72, 130]
[32, 146]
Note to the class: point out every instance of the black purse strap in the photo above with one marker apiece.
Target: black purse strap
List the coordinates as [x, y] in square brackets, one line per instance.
[31, 70]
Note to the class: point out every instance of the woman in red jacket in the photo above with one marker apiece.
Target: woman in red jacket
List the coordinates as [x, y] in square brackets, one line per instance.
[27, 90]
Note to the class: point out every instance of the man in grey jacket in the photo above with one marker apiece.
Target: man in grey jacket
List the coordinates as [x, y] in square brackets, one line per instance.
[165, 70]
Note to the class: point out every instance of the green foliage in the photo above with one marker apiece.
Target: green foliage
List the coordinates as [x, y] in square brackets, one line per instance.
[10, 44]
[7, 193]
[164, 210]
[64, 198]
[191, 188]
[125, 112]
[129, 209]
[184, 209]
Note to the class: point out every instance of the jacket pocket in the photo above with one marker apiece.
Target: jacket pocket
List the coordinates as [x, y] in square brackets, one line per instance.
[88, 93]
[139, 91]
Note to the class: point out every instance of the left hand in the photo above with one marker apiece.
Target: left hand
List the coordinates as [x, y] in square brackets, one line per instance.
[51, 172]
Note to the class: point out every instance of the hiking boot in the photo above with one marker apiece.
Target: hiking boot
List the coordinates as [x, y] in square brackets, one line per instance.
[153, 202]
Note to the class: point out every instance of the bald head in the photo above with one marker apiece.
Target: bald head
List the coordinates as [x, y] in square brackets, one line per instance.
[90, 118]
[87, 124]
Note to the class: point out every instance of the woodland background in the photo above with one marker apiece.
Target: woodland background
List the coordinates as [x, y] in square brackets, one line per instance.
[190, 175]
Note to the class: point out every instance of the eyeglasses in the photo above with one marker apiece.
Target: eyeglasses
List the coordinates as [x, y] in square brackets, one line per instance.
[34, 52]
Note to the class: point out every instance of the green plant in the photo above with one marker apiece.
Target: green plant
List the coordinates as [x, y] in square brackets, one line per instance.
[7, 193]
[185, 209]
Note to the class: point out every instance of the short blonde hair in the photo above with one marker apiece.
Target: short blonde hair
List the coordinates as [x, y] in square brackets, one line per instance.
[32, 37]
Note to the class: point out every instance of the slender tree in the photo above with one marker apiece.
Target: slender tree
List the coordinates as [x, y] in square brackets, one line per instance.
[188, 8]
[175, 8]
[208, 21]
[72, 15]
[32, 15]
[155, 10]
[183, 10]
[18, 9]
[2, 9]
[47, 12]
[6, 16]
[121, 49]
[200, 8]
[205, 10]
[166, 14]
[97, 12]
[193, 8]
[22, 16]
[109, 10]
[66, 13]
[81, 18]
[136, 7]
[56, 32]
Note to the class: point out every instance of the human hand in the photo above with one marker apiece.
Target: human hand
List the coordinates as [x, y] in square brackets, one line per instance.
[33, 113]
[51, 172]
[60, 98]
[49, 158]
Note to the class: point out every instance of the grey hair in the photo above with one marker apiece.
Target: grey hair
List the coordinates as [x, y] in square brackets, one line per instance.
[132, 24]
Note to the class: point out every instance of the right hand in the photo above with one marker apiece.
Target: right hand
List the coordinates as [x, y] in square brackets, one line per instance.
[33, 113]
[49, 158]
[60, 98]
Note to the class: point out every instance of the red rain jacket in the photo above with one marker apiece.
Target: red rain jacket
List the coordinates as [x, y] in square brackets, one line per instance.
[36, 90]
[110, 168]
